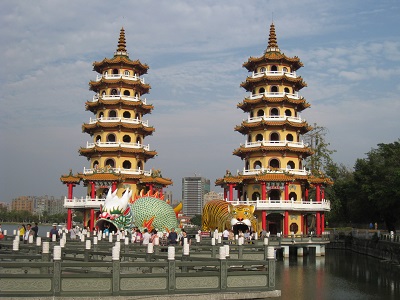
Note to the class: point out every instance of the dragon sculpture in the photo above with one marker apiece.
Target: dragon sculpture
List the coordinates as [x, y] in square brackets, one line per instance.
[144, 211]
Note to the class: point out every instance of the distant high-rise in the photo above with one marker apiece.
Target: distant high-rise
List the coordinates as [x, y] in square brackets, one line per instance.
[193, 191]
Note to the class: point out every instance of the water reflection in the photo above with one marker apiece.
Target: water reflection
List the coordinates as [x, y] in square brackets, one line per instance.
[338, 275]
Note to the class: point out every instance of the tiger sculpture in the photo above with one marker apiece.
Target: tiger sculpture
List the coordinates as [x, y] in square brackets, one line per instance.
[220, 214]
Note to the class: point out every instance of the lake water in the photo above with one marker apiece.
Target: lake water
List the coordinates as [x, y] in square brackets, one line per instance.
[340, 275]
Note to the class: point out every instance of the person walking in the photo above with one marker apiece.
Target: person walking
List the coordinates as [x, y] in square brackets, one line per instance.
[172, 237]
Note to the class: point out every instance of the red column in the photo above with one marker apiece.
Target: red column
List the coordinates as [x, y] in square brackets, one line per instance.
[305, 225]
[263, 191]
[286, 223]
[225, 194]
[306, 195]
[322, 222]
[322, 193]
[93, 192]
[91, 219]
[69, 219]
[114, 186]
[286, 191]
[264, 220]
[318, 193]
[302, 224]
[70, 189]
[231, 191]
[318, 229]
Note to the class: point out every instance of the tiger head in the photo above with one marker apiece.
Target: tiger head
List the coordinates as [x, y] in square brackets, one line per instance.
[241, 214]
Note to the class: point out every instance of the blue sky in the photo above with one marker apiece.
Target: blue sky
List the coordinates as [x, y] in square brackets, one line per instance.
[195, 51]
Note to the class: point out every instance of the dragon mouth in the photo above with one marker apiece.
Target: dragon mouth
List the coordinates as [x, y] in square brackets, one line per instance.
[102, 223]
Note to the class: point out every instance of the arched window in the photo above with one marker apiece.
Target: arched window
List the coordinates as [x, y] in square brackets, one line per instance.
[262, 69]
[140, 165]
[274, 68]
[259, 137]
[137, 116]
[101, 114]
[105, 73]
[274, 136]
[112, 114]
[115, 71]
[288, 113]
[126, 164]
[289, 137]
[103, 93]
[127, 93]
[127, 73]
[290, 165]
[255, 196]
[114, 92]
[274, 112]
[261, 91]
[98, 139]
[274, 195]
[110, 163]
[111, 138]
[260, 113]
[294, 228]
[274, 89]
[287, 90]
[95, 164]
[293, 196]
[257, 165]
[126, 138]
[126, 114]
[138, 141]
[274, 163]
[284, 69]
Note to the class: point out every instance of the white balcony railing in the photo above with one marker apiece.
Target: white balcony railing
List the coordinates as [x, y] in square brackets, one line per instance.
[281, 204]
[278, 170]
[275, 118]
[118, 76]
[118, 144]
[139, 171]
[117, 97]
[274, 95]
[117, 119]
[274, 143]
[274, 73]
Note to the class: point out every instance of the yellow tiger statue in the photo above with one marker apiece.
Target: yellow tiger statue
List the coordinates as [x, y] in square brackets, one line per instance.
[221, 214]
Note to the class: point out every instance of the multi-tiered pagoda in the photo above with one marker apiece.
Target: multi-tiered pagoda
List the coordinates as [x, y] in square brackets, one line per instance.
[274, 178]
[117, 153]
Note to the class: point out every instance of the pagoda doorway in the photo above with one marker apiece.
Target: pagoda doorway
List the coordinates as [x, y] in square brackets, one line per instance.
[274, 223]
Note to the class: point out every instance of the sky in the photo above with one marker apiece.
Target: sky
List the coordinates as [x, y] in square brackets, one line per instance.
[195, 51]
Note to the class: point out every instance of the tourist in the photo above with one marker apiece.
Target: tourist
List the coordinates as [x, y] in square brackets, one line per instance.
[231, 236]
[172, 237]
[27, 233]
[154, 236]
[164, 240]
[225, 234]
[21, 230]
[35, 229]
[183, 237]
[139, 236]
[54, 231]
[73, 233]
[146, 237]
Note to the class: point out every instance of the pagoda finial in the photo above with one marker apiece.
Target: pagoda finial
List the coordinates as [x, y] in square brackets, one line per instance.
[272, 43]
[121, 50]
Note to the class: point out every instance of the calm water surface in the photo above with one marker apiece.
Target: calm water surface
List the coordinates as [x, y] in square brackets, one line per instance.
[339, 275]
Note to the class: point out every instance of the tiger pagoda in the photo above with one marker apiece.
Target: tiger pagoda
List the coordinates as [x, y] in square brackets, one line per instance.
[116, 153]
[274, 178]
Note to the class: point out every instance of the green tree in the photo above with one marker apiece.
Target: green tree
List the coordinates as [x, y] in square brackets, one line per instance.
[321, 160]
[377, 178]
[196, 220]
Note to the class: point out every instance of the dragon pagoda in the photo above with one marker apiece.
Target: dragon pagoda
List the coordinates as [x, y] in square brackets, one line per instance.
[274, 178]
[116, 153]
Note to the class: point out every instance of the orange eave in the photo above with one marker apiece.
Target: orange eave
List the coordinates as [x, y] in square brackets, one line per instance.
[118, 60]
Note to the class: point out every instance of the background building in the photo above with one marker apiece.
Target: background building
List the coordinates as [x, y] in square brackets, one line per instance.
[193, 191]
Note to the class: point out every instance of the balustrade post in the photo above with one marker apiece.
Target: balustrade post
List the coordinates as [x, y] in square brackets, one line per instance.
[171, 275]
[57, 270]
[116, 270]
[223, 280]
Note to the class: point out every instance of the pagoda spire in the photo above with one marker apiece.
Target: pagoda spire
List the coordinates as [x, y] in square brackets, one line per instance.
[121, 49]
[272, 43]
